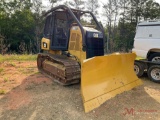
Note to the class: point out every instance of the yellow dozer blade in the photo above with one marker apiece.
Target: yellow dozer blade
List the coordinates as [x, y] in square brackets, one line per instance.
[104, 77]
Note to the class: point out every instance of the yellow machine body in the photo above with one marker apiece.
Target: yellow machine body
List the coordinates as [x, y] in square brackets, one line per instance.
[75, 44]
[104, 77]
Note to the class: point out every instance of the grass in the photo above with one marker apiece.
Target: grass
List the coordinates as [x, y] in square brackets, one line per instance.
[1, 70]
[22, 70]
[6, 79]
[4, 58]
[27, 70]
[37, 72]
[12, 64]
[2, 92]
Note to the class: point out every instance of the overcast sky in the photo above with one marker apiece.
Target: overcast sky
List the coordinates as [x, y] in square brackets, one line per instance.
[100, 1]
[102, 19]
[100, 11]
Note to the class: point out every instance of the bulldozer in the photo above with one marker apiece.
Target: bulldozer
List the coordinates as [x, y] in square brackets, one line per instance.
[74, 53]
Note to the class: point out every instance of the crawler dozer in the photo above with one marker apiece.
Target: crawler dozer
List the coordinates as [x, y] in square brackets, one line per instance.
[73, 52]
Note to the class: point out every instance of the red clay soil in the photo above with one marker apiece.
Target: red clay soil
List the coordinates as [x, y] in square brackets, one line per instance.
[29, 95]
[15, 75]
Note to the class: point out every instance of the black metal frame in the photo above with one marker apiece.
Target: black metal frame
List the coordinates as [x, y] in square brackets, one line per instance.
[70, 11]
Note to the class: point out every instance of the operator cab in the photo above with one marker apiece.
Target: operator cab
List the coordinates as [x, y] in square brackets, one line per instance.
[58, 27]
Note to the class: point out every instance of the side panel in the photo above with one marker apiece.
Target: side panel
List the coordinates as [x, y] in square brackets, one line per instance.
[75, 44]
[104, 77]
[95, 44]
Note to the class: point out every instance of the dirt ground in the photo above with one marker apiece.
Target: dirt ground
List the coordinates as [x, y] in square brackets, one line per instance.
[26, 94]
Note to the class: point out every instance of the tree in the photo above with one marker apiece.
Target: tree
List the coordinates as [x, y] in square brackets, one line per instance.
[3, 46]
[151, 10]
[121, 37]
[133, 11]
[93, 6]
[53, 2]
[111, 12]
[16, 24]
[38, 24]
[77, 4]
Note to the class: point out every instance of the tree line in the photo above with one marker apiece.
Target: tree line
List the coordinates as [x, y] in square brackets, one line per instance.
[21, 25]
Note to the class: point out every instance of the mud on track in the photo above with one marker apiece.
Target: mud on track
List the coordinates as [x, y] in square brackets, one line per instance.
[33, 96]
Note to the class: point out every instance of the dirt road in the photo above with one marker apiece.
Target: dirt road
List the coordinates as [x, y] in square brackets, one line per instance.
[29, 95]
